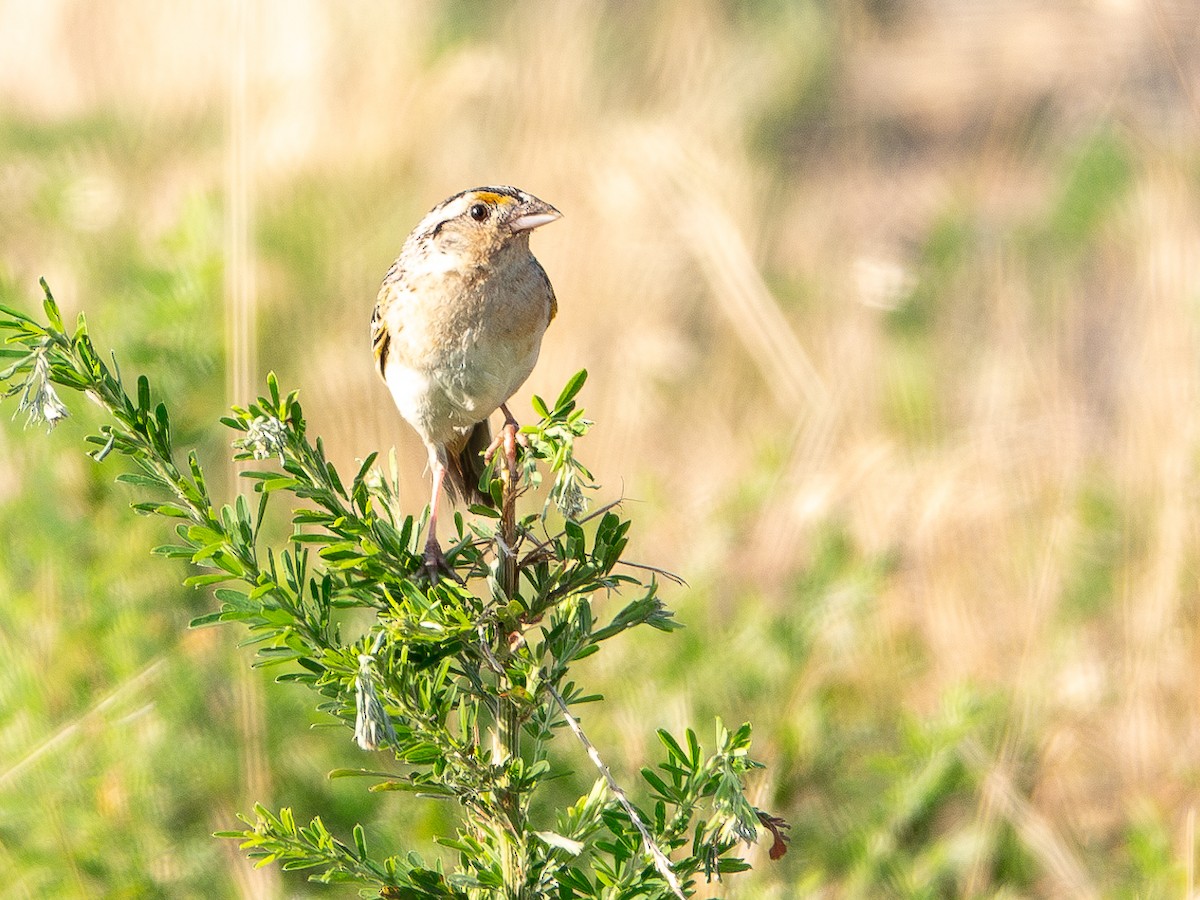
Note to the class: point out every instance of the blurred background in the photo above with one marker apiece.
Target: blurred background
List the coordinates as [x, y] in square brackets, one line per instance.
[890, 309]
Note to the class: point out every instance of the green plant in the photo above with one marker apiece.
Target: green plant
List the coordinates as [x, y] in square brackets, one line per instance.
[464, 692]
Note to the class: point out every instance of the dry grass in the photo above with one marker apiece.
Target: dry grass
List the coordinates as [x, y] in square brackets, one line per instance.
[823, 267]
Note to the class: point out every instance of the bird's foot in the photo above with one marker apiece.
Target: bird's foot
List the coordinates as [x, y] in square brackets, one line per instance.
[508, 438]
[434, 563]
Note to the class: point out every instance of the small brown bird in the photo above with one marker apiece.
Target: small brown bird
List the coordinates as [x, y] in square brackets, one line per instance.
[457, 328]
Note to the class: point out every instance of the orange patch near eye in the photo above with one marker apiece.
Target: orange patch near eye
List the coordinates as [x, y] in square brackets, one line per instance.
[491, 197]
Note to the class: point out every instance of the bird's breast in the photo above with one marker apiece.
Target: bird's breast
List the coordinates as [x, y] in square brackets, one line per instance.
[465, 344]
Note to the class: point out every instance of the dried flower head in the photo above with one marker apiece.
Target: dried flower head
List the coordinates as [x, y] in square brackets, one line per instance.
[266, 436]
[39, 401]
[372, 726]
[569, 497]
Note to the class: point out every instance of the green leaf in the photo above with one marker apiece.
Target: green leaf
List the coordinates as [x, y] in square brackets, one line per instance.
[673, 749]
[739, 741]
[366, 466]
[334, 480]
[140, 480]
[143, 394]
[198, 475]
[168, 510]
[568, 393]
[359, 773]
[15, 313]
[360, 842]
[202, 580]
[659, 785]
[174, 551]
[429, 790]
[208, 551]
[729, 865]
[24, 359]
[421, 754]
[312, 538]
[164, 429]
[204, 621]
[576, 881]
[237, 599]
[281, 483]
[693, 747]
[51, 307]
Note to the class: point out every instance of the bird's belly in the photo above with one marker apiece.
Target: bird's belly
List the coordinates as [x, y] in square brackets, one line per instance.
[466, 385]
[495, 369]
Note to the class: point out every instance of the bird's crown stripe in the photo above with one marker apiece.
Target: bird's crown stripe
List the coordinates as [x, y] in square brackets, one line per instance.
[492, 197]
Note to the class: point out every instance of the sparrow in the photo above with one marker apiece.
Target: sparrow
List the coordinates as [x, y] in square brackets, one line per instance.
[456, 330]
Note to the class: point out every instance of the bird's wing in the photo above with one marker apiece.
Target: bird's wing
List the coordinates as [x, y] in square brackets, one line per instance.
[381, 336]
[545, 279]
[380, 341]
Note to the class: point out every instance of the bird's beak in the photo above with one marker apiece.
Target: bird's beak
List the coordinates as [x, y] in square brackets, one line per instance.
[532, 213]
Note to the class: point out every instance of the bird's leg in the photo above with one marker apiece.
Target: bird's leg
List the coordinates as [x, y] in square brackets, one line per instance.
[434, 559]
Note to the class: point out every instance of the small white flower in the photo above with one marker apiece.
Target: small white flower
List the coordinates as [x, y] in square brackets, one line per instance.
[266, 436]
[568, 496]
[372, 726]
[374, 480]
[39, 401]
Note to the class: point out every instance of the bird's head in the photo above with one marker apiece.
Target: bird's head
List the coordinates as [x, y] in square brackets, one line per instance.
[474, 226]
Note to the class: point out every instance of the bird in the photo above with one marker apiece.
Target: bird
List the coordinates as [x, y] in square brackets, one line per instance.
[456, 330]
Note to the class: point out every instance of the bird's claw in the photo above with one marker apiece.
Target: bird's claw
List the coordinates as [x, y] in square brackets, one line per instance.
[434, 563]
[508, 438]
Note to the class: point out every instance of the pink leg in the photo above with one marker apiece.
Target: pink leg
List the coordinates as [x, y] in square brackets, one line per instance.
[435, 560]
[508, 438]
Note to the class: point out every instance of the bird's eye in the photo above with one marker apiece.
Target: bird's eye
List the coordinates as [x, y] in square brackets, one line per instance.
[478, 212]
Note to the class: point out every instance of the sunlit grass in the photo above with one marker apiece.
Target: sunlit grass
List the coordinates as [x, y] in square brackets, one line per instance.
[890, 318]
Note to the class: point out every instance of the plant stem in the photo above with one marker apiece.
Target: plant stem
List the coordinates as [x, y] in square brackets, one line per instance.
[508, 726]
[509, 572]
[661, 862]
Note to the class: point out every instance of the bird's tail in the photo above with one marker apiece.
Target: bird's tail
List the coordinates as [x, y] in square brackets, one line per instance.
[465, 467]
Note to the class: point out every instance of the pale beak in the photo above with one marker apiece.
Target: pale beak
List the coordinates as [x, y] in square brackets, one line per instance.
[533, 213]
